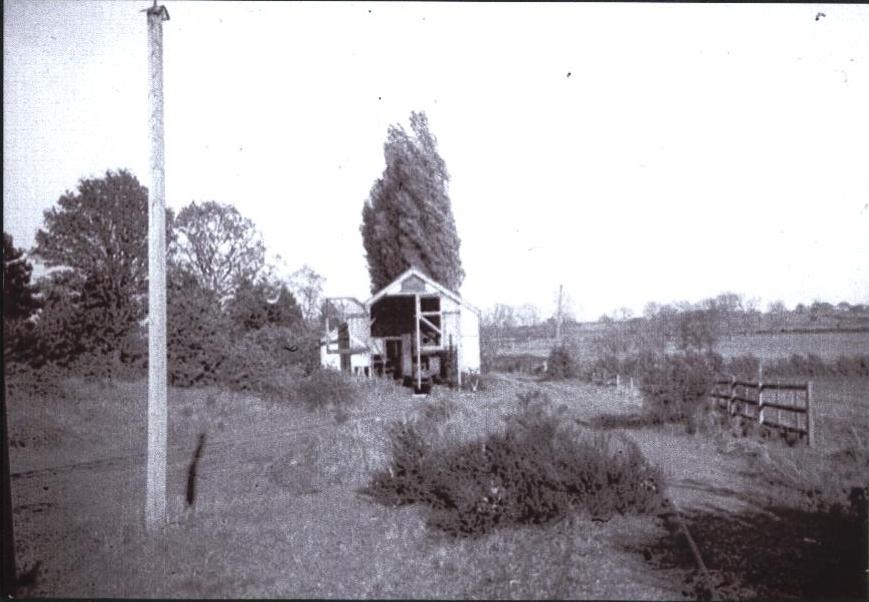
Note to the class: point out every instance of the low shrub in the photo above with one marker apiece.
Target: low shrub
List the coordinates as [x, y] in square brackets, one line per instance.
[121, 364]
[675, 386]
[326, 389]
[819, 482]
[561, 363]
[321, 390]
[540, 468]
[23, 382]
[524, 363]
[254, 356]
[852, 365]
[609, 364]
[439, 410]
[743, 366]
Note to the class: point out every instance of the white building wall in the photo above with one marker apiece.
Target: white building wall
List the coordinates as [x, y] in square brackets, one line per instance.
[469, 352]
[329, 360]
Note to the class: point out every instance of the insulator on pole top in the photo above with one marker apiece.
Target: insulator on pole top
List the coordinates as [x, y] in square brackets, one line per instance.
[157, 10]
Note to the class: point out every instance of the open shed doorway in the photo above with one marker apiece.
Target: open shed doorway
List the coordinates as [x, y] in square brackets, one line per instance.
[414, 356]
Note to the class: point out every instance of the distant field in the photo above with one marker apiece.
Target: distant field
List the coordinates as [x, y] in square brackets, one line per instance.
[827, 345]
[767, 346]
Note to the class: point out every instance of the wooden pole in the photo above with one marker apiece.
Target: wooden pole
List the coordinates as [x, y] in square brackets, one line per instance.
[810, 415]
[418, 347]
[760, 394]
[155, 499]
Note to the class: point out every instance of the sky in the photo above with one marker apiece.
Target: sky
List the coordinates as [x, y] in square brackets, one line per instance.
[629, 152]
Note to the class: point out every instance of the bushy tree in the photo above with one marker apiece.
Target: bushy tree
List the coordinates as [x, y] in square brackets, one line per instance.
[19, 302]
[197, 331]
[100, 233]
[256, 305]
[407, 219]
[697, 330]
[60, 327]
[307, 287]
[97, 238]
[218, 245]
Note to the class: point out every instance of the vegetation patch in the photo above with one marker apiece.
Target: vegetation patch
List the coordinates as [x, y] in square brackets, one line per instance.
[322, 389]
[540, 468]
[797, 365]
[675, 386]
[523, 363]
[561, 363]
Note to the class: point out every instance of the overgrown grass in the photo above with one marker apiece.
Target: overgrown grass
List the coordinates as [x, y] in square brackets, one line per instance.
[523, 363]
[812, 479]
[540, 468]
[321, 390]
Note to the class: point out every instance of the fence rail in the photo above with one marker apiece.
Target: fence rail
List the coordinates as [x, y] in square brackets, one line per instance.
[784, 406]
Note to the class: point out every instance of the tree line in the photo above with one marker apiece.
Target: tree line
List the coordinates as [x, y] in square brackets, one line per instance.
[90, 307]
[231, 319]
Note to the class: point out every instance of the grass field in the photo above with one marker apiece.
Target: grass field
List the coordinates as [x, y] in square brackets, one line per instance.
[278, 512]
[767, 346]
[827, 345]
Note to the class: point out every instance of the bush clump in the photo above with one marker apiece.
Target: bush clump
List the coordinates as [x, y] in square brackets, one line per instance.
[561, 363]
[523, 363]
[675, 386]
[540, 468]
[326, 388]
[438, 411]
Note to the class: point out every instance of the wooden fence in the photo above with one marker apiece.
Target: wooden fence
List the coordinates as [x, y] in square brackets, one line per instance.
[786, 407]
[608, 379]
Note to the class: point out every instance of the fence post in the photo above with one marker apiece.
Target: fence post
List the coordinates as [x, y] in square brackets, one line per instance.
[732, 395]
[810, 416]
[760, 395]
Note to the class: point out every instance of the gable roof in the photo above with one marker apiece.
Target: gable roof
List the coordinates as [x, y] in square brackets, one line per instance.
[413, 271]
[346, 306]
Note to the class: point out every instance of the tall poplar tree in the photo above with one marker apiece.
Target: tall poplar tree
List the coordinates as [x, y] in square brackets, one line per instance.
[407, 219]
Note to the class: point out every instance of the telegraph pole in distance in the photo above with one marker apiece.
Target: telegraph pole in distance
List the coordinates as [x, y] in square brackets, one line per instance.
[155, 498]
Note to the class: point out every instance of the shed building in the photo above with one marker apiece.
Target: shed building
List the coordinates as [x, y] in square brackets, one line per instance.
[414, 329]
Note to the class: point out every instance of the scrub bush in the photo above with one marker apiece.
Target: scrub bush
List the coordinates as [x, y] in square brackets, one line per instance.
[674, 386]
[326, 389]
[540, 468]
[562, 363]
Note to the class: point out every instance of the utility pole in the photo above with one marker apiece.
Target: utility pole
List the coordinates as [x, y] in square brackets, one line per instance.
[558, 316]
[155, 499]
